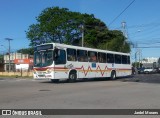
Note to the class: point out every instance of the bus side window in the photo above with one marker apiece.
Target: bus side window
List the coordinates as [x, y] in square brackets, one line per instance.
[124, 59]
[101, 57]
[128, 60]
[92, 56]
[71, 54]
[82, 55]
[118, 59]
[61, 57]
[110, 58]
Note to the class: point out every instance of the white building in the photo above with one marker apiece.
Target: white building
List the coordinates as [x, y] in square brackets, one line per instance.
[150, 60]
[13, 56]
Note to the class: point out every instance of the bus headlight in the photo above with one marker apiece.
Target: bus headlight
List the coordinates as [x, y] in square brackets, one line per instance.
[49, 71]
[34, 72]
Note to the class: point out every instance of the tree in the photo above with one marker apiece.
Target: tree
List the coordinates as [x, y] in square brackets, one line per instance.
[117, 42]
[34, 34]
[95, 31]
[55, 25]
[26, 51]
[137, 65]
[60, 25]
[1, 58]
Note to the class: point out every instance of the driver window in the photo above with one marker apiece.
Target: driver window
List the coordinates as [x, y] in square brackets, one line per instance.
[60, 57]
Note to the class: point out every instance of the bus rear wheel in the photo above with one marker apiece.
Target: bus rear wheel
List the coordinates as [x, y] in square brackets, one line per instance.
[72, 77]
[113, 75]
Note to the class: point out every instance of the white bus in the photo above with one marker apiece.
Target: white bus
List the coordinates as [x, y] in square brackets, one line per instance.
[58, 62]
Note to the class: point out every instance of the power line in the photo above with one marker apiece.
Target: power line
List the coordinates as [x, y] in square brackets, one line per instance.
[149, 43]
[153, 29]
[122, 12]
[149, 47]
[144, 25]
[153, 24]
[147, 36]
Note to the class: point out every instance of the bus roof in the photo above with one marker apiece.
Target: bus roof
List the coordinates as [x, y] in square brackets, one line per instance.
[83, 48]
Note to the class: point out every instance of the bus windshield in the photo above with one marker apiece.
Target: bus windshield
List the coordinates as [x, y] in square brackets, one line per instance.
[46, 58]
[43, 58]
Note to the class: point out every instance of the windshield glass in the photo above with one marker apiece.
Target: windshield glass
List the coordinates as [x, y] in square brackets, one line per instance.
[43, 58]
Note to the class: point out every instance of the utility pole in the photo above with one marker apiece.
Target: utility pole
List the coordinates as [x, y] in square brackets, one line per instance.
[8, 39]
[136, 49]
[82, 34]
[140, 57]
[124, 29]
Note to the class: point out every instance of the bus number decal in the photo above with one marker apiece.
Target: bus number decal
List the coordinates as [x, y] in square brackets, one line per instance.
[93, 65]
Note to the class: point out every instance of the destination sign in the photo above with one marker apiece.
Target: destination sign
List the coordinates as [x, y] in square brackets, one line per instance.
[43, 47]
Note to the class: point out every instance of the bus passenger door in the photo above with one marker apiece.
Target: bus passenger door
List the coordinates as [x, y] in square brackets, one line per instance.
[60, 72]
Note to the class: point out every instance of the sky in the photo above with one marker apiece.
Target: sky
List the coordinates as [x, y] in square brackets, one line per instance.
[142, 20]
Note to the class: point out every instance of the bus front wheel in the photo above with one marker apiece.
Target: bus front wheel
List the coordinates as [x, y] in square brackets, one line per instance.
[72, 77]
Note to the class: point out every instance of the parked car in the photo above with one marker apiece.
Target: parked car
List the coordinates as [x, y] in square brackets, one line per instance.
[156, 70]
[140, 70]
[149, 70]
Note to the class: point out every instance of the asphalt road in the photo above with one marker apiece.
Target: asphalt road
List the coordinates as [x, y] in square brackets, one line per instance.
[138, 92]
[143, 78]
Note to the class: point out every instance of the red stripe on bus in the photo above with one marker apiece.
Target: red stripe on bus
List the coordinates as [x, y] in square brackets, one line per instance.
[83, 69]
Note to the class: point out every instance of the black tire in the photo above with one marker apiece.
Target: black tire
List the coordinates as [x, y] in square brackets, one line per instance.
[72, 77]
[113, 75]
